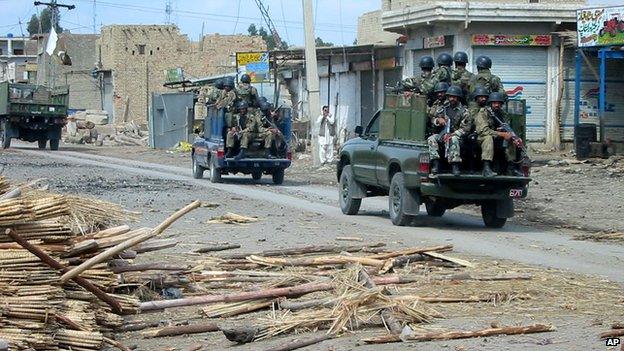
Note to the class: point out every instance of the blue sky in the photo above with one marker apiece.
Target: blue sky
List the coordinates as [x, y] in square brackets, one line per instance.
[336, 20]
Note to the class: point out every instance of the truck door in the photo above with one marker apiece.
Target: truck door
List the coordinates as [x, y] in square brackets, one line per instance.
[364, 157]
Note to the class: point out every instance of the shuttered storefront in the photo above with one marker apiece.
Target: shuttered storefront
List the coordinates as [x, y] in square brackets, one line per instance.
[614, 113]
[523, 71]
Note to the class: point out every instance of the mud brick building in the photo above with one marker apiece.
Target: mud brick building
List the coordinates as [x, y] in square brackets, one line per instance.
[133, 59]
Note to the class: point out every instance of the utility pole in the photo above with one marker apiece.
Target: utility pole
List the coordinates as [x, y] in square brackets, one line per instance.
[53, 20]
[312, 78]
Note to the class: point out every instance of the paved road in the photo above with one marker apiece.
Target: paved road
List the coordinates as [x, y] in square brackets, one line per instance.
[465, 232]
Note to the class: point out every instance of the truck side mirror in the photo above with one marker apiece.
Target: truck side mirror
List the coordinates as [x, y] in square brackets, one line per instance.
[358, 130]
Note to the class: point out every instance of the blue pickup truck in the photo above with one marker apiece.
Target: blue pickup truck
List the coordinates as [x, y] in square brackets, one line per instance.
[208, 152]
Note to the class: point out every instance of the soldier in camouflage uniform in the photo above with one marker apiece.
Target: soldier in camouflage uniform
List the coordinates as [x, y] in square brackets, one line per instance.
[440, 92]
[424, 83]
[453, 122]
[443, 72]
[488, 129]
[214, 93]
[245, 91]
[228, 96]
[461, 76]
[247, 127]
[485, 78]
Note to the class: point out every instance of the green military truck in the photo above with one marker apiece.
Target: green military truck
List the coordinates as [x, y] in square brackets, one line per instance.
[390, 157]
[32, 113]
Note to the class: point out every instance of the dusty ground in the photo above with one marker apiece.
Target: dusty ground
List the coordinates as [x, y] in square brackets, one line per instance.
[579, 306]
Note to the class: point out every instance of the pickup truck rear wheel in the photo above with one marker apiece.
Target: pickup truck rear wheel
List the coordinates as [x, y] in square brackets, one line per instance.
[278, 176]
[348, 204]
[54, 144]
[435, 209]
[215, 173]
[198, 171]
[488, 212]
[256, 176]
[396, 201]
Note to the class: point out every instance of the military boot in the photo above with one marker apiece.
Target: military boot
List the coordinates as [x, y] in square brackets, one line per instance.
[230, 153]
[455, 169]
[435, 166]
[240, 155]
[487, 169]
[513, 169]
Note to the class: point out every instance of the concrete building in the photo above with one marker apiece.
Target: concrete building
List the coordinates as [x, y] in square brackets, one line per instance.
[134, 58]
[517, 35]
[18, 58]
[369, 30]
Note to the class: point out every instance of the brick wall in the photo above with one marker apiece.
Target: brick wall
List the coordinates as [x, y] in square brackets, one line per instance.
[139, 54]
[388, 5]
[370, 32]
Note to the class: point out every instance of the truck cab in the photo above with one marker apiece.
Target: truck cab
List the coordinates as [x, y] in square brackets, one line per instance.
[391, 157]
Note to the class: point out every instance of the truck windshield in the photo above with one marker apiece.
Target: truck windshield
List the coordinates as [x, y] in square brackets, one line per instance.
[21, 93]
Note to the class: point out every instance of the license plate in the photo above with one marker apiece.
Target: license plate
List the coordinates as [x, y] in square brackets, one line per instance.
[256, 164]
[515, 193]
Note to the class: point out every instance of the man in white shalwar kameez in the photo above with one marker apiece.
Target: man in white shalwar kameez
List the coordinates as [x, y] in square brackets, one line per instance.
[326, 136]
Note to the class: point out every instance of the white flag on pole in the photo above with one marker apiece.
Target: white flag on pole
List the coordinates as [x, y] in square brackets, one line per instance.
[52, 38]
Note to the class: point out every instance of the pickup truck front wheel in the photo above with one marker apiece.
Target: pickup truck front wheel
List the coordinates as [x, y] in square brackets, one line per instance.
[490, 219]
[348, 204]
[398, 199]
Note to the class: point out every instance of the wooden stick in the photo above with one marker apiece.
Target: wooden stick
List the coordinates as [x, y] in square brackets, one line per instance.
[412, 251]
[109, 300]
[147, 267]
[302, 305]
[617, 326]
[204, 327]
[217, 248]
[292, 291]
[315, 261]
[155, 245]
[12, 194]
[138, 326]
[128, 243]
[536, 328]
[81, 247]
[449, 259]
[299, 343]
[614, 333]
[392, 323]
[67, 321]
[305, 250]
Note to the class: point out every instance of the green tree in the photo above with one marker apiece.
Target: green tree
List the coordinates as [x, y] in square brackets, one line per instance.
[46, 15]
[252, 30]
[320, 43]
[266, 36]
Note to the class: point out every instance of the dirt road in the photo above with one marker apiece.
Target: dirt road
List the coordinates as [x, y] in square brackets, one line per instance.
[300, 214]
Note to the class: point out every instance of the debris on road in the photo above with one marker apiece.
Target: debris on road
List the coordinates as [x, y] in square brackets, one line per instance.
[232, 218]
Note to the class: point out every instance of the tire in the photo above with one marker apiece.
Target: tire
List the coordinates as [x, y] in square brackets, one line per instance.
[4, 139]
[198, 171]
[54, 144]
[488, 212]
[42, 143]
[215, 172]
[396, 198]
[278, 176]
[256, 176]
[348, 204]
[435, 209]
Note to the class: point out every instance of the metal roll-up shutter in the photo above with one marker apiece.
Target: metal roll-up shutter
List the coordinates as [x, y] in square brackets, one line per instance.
[614, 123]
[523, 71]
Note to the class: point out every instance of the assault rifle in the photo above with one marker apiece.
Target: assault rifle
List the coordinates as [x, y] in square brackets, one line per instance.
[273, 125]
[515, 139]
[446, 130]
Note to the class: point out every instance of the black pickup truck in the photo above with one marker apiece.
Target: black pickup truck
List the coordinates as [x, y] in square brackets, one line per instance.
[390, 158]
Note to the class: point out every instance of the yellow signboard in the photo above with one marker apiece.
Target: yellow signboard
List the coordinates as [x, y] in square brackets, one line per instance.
[255, 64]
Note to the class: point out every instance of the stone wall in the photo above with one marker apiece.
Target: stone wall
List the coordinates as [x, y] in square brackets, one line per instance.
[369, 30]
[389, 5]
[138, 55]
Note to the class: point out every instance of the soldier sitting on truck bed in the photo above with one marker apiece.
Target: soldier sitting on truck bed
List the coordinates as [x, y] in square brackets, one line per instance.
[424, 83]
[272, 121]
[228, 96]
[440, 94]
[247, 127]
[488, 129]
[452, 121]
[245, 91]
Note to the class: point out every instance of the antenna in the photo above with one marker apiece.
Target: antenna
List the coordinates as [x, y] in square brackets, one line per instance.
[94, 16]
[168, 11]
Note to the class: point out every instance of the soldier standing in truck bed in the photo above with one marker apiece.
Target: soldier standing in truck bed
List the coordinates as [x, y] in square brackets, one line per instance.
[424, 83]
[214, 92]
[461, 76]
[443, 72]
[228, 96]
[245, 91]
[485, 78]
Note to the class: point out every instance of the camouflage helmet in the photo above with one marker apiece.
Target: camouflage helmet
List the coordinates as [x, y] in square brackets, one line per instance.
[241, 105]
[444, 59]
[426, 62]
[219, 84]
[440, 87]
[262, 99]
[481, 91]
[229, 83]
[460, 57]
[245, 78]
[496, 96]
[454, 90]
[264, 106]
[483, 62]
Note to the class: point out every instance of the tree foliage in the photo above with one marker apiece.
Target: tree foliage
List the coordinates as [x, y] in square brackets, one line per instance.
[320, 43]
[266, 36]
[45, 21]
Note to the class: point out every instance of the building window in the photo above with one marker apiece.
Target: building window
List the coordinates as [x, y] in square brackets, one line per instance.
[141, 49]
[533, 1]
[132, 52]
[1, 52]
[151, 52]
[18, 51]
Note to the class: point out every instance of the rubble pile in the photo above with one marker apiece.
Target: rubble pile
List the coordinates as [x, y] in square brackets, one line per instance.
[92, 127]
[43, 237]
